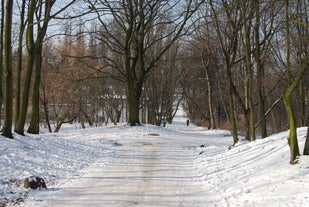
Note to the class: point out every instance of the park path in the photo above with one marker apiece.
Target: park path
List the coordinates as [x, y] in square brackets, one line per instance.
[142, 171]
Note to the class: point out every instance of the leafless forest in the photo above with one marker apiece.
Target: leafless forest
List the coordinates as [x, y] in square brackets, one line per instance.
[233, 64]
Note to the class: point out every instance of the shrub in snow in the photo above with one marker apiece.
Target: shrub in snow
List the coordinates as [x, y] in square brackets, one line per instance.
[34, 182]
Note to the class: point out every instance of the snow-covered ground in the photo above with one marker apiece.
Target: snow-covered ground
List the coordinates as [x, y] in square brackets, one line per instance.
[152, 166]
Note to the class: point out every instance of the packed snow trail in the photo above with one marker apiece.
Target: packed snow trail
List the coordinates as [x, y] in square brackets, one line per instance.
[152, 166]
[145, 170]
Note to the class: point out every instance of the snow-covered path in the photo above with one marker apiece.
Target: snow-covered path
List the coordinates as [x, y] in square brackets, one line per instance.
[143, 171]
[122, 166]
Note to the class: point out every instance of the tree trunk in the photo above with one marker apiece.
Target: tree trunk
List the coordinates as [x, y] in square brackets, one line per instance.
[260, 71]
[19, 126]
[35, 116]
[34, 41]
[246, 121]
[19, 60]
[8, 76]
[58, 125]
[82, 121]
[249, 85]
[292, 84]
[20, 123]
[302, 48]
[134, 94]
[209, 95]
[232, 110]
[287, 96]
[287, 99]
[292, 139]
[45, 105]
[133, 103]
[1, 58]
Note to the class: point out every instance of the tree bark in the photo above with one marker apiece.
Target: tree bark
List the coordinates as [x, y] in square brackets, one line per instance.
[287, 99]
[20, 122]
[35, 115]
[134, 95]
[292, 84]
[1, 58]
[292, 138]
[260, 75]
[19, 60]
[8, 72]
[249, 110]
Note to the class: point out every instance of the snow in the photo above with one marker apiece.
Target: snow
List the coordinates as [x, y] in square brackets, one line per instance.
[152, 166]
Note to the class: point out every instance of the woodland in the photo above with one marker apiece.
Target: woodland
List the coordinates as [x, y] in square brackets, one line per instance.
[233, 64]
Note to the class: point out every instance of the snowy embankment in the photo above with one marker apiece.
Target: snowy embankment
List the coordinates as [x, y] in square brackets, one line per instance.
[152, 166]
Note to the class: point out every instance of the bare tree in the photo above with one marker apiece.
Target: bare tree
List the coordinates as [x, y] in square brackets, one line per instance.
[228, 37]
[160, 88]
[20, 48]
[206, 55]
[140, 23]
[292, 84]
[300, 45]
[39, 15]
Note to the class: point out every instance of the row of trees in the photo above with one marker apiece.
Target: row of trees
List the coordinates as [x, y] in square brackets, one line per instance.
[35, 17]
[259, 49]
[136, 36]
[228, 61]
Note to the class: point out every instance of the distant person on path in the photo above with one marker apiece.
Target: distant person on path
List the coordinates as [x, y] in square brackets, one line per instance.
[188, 122]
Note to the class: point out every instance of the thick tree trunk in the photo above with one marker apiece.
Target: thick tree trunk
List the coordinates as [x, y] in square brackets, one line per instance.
[35, 116]
[8, 72]
[34, 43]
[20, 123]
[292, 139]
[287, 99]
[1, 58]
[133, 103]
[19, 60]
[292, 84]
[19, 126]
